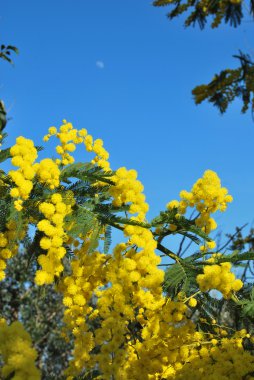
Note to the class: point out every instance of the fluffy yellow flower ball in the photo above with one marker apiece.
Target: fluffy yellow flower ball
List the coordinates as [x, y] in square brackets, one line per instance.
[219, 277]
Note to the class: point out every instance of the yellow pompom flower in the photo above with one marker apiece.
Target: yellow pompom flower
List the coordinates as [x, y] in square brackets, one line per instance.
[192, 302]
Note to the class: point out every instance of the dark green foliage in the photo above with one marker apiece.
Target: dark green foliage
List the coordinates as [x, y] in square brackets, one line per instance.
[5, 154]
[248, 307]
[229, 85]
[5, 52]
[4, 212]
[240, 242]
[40, 310]
[199, 11]
[3, 117]
[243, 246]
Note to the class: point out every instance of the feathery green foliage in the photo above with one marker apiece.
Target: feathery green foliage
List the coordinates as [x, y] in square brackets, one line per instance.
[201, 10]
[229, 84]
[6, 51]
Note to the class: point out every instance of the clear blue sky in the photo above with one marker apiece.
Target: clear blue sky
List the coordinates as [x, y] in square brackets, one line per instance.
[124, 72]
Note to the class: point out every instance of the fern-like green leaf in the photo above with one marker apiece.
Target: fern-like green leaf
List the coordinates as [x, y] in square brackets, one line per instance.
[236, 258]
[85, 172]
[108, 239]
[194, 238]
[164, 217]
[175, 275]
[94, 239]
[180, 277]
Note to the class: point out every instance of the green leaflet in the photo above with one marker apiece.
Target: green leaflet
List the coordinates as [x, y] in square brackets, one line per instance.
[236, 257]
[5, 154]
[108, 239]
[94, 238]
[248, 309]
[180, 276]
[85, 220]
[164, 217]
[185, 226]
[85, 172]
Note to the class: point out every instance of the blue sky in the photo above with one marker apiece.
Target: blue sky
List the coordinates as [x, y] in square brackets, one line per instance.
[124, 72]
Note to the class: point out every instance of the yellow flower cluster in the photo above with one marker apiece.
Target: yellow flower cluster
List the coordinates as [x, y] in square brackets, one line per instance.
[17, 353]
[102, 156]
[5, 254]
[219, 276]
[224, 360]
[165, 341]
[48, 173]
[134, 284]
[134, 295]
[169, 341]
[128, 189]
[121, 321]
[69, 137]
[177, 351]
[53, 227]
[24, 154]
[172, 204]
[88, 271]
[207, 196]
[8, 245]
